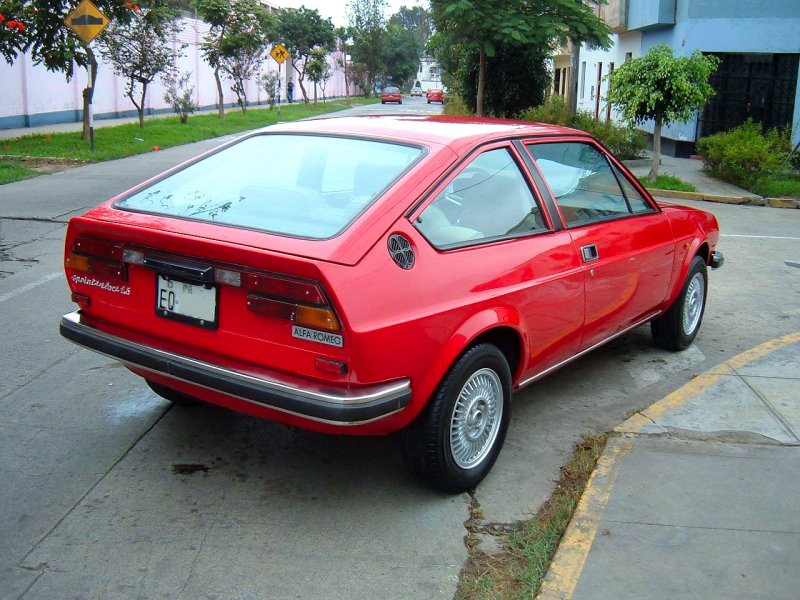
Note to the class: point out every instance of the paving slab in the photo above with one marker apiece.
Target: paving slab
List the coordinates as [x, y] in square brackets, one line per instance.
[697, 495]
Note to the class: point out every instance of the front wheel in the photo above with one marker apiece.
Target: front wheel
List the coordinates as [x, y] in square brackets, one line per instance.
[677, 328]
[454, 442]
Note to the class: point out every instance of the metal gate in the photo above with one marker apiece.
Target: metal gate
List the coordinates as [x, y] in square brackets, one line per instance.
[757, 86]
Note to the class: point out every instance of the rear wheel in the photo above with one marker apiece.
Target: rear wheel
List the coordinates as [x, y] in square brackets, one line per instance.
[173, 396]
[454, 442]
[677, 328]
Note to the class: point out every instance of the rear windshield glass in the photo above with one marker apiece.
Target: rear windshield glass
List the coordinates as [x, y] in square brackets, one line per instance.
[296, 185]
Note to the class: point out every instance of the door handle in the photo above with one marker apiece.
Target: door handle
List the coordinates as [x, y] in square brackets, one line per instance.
[589, 253]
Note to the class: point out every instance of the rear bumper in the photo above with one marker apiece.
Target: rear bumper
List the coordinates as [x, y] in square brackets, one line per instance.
[337, 406]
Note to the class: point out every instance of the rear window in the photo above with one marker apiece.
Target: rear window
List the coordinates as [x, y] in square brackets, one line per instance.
[391, 90]
[296, 185]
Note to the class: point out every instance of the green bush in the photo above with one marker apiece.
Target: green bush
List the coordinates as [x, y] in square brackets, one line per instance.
[624, 142]
[745, 154]
[454, 106]
[553, 111]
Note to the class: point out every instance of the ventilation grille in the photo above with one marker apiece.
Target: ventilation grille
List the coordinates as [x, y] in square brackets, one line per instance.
[401, 251]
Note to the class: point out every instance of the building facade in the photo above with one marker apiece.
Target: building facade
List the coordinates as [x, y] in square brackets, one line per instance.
[756, 41]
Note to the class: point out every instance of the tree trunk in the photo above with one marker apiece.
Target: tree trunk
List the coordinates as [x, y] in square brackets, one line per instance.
[88, 92]
[481, 84]
[346, 77]
[220, 99]
[141, 106]
[653, 175]
[572, 104]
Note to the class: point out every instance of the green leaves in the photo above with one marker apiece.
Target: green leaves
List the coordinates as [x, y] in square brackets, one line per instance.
[661, 84]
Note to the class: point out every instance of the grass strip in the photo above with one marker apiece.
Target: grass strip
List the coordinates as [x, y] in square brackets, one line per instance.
[11, 170]
[778, 186]
[527, 547]
[667, 182]
[126, 140]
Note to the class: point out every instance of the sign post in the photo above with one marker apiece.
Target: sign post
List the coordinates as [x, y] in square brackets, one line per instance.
[86, 21]
[280, 54]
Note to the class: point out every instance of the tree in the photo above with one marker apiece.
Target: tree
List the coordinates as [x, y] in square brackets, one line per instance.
[661, 87]
[319, 70]
[302, 31]
[39, 30]
[368, 28]
[240, 30]
[271, 83]
[140, 50]
[400, 55]
[416, 20]
[516, 82]
[343, 46]
[485, 24]
[179, 93]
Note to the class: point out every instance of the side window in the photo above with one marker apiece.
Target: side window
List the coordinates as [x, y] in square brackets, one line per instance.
[583, 183]
[637, 202]
[489, 198]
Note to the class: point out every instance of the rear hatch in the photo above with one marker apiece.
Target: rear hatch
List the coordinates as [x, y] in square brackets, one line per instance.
[213, 260]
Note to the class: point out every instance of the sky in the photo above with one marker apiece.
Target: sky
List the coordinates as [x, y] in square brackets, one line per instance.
[337, 9]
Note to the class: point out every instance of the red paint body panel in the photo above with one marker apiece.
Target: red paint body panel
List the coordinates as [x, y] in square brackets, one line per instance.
[399, 324]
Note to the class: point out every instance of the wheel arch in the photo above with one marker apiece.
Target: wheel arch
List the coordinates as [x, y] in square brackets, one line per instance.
[499, 326]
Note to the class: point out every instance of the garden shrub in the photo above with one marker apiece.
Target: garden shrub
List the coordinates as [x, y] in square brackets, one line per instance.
[623, 141]
[745, 154]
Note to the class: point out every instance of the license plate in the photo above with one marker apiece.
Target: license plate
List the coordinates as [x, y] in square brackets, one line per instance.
[186, 302]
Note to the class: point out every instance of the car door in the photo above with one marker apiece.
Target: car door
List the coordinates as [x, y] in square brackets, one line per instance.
[488, 227]
[624, 242]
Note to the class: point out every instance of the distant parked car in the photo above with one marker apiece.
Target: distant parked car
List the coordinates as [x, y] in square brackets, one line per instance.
[436, 95]
[391, 94]
[416, 92]
[367, 275]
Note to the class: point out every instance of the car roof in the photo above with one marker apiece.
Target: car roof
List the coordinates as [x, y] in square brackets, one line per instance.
[414, 129]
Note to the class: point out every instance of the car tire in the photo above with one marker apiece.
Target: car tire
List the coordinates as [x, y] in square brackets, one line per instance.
[400, 102]
[454, 442]
[429, 101]
[677, 328]
[382, 102]
[174, 396]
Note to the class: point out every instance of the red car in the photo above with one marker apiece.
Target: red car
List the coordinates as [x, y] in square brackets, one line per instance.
[435, 95]
[391, 94]
[373, 274]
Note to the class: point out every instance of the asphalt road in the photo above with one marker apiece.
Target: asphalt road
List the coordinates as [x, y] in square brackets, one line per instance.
[94, 506]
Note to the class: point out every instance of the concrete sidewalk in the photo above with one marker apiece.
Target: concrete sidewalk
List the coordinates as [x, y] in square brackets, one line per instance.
[697, 496]
[691, 171]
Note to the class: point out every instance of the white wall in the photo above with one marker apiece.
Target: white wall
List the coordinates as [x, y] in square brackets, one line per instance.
[32, 95]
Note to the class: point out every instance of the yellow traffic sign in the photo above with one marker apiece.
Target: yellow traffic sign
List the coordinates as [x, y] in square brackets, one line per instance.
[279, 53]
[86, 21]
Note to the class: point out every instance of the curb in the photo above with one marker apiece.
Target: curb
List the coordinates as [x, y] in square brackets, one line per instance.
[742, 200]
[567, 565]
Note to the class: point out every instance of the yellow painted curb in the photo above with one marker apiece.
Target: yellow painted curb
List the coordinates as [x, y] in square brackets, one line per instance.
[676, 194]
[700, 383]
[782, 202]
[567, 565]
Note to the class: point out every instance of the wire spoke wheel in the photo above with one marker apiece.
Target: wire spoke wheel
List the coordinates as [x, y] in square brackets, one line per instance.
[475, 421]
[693, 304]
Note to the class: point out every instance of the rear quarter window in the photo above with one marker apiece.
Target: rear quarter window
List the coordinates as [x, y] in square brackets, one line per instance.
[305, 186]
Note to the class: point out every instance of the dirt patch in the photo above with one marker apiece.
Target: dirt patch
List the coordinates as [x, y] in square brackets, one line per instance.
[45, 164]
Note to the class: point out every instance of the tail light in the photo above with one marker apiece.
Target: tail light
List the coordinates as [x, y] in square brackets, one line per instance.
[300, 301]
[303, 302]
[99, 257]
